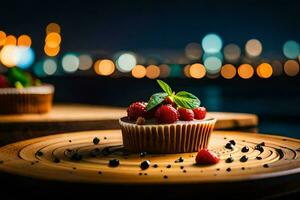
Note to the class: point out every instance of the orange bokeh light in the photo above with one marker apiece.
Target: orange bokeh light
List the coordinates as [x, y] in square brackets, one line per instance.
[51, 51]
[2, 38]
[11, 40]
[228, 71]
[53, 28]
[197, 71]
[245, 71]
[24, 40]
[152, 71]
[53, 40]
[264, 70]
[291, 68]
[104, 67]
[139, 71]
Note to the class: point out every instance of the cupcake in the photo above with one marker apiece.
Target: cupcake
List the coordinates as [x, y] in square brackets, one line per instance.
[20, 93]
[168, 123]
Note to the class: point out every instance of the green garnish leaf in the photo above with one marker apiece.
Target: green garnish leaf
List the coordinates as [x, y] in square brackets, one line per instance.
[165, 87]
[186, 100]
[156, 99]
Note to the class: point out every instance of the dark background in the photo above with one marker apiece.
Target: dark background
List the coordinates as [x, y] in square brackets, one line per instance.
[111, 26]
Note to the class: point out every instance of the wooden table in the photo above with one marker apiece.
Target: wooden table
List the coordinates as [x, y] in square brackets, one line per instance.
[77, 117]
[274, 169]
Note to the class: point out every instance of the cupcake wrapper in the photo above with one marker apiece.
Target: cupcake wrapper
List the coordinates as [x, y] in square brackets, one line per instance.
[172, 138]
[18, 101]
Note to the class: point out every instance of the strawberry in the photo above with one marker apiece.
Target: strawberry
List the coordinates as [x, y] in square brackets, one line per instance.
[199, 112]
[169, 100]
[136, 109]
[205, 156]
[3, 81]
[166, 114]
[186, 114]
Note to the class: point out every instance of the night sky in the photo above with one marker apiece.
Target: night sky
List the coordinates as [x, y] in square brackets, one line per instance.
[133, 25]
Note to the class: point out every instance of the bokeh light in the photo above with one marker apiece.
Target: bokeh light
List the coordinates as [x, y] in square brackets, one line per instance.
[2, 38]
[193, 51]
[53, 28]
[228, 71]
[53, 40]
[126, 62]
[152, 71]
[24, 40]
[139, 71]
[291, 49]
[51, 51]
[232, 52]
[70, 63]
[219, 55]
[291, 67]
[212, 65]
[197, 71]
[164, 70]
[104, 67]
[186, 71]
[10, 55]
[11, 40]
[85, 62]
[212, 43]
[26, 58]
[245, 71]
[49, 66]
[264, 70]
[38, 69]
[277, 67]
[253, 48]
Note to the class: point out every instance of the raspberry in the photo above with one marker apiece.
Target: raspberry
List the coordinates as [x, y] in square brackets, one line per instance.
[166, 114]
[205, 156]
[186, 114]
[136, 109]
[3, 82]
[151, 113]
[199, 112]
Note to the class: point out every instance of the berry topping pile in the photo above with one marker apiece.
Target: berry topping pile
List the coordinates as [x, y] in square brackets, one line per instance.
[167, 107]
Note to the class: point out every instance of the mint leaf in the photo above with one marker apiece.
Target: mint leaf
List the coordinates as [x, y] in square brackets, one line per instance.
[156, 99]
[186, 100]
[165, 87]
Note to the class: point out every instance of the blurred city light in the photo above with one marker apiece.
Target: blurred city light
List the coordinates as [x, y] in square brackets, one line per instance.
[38, 69]
[253, 48]
[53, 28]
[245, 71]
[186, 71]
[197, 71]
[193, 51]
[85, 62]
[212, 43]
[152, 71]
[53, 40]
[264, 70]
[10, 55]
[139, 71]
[11, 40]
[125, 62]
[232, 52]
[277, 68]
[212, 65]
[70, 63]
[26, 57]
[291, 68]
[291, 49]
[51, 51]
[49, 66]
[24, 40]
[164, 70]
[104, 67]
[228, 71]
[2, 38]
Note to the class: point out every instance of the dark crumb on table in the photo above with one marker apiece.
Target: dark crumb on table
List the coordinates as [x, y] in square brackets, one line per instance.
[169, 166]
[184, 171]
[265, 165]
[56, 160]
[243, 168]
[70, 141]
[39, 153]
[165, 176]
[145, 174]
[105, 138]
[100, 172]
[96, 140]
[181, 167]
[228, 169]
[218, 169]
[155, 165]
[74, 168]
[1, 161]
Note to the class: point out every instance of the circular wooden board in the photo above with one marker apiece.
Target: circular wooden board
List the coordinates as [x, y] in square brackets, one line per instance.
[77, 117]
[52, 158]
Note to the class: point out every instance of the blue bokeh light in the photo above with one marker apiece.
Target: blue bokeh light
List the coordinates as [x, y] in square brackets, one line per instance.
[26, 58]
[291, 49]
[212, 43]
